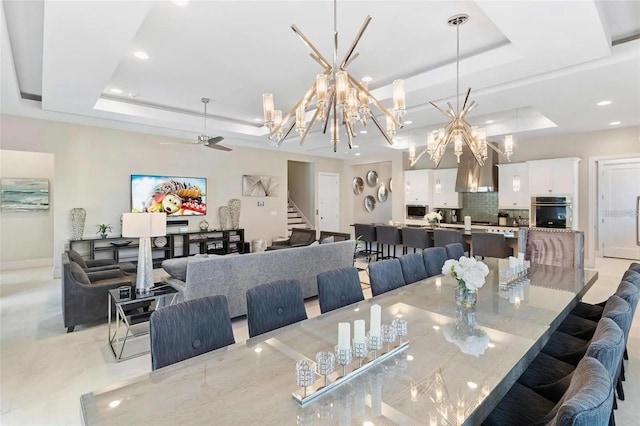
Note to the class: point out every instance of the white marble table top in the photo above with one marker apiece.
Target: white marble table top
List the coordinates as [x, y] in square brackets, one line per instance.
[438, 375]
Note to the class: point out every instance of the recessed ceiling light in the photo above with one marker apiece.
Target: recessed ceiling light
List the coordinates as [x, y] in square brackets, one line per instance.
[615, 123]
[115, 90]
[141, 55]
[357, 153]
[436, 327]
[363, 132]
[488, 122]
[366, 79]
[258, 120]
[114, 404]
[356, 146]
[408, 122]
[180, 2]
[604, 103]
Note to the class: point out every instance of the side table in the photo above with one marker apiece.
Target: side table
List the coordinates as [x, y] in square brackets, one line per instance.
[132, 311]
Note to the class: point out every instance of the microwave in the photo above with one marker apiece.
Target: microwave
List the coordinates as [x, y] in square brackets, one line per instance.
[416, 211]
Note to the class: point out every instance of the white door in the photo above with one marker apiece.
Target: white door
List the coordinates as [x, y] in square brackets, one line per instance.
[619, 187]
[329, 201]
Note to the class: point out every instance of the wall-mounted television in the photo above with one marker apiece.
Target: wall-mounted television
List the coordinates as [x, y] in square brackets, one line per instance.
[173, 195]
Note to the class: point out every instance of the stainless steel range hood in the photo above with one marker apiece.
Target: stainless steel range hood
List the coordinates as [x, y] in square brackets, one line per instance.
[475, 178]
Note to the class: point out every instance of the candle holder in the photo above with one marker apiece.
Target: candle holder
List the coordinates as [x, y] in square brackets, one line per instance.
[325, 364]
[360, 350]
[305, 374]
[344, 358]
[375, 344]
[388, 334]
[401, 328]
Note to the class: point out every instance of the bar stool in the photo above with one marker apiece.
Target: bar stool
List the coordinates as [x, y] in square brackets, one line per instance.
[490, 244]
[415, 238]
[442, 237]
[388, 235]
[367, 234]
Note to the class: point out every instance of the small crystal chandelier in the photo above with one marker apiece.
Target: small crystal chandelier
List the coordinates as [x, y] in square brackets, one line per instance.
[458, 130]
[339, 99]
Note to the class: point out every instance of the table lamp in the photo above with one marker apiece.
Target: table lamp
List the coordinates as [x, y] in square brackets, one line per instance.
[144, 226]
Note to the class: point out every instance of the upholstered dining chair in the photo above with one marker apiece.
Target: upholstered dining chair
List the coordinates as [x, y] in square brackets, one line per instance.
[366, 232]
[385, 275]
[338, 288]
[594, 311]
[442, 237]
[388, 236]
[550, 377]
[434, 258]
[454, 250]
[189, 329]
[415, 238]
[490, 244]
[274, 305]
[413, 268]
[588, 401]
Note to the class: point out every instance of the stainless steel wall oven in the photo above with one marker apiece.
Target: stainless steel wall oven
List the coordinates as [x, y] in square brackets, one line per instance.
[552, 212]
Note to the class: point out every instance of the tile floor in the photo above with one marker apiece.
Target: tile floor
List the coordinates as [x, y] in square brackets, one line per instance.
[44, 370]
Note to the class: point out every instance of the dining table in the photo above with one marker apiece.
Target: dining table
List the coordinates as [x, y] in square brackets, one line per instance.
[459, 362]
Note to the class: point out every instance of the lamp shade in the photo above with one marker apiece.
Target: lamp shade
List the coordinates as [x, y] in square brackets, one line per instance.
[144, 224]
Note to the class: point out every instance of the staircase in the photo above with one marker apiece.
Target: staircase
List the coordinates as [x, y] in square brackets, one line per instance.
[295, 219]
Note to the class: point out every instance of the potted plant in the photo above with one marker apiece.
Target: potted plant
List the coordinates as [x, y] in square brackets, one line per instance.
[103, 229]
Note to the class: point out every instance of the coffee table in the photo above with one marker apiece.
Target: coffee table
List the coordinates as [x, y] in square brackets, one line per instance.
[131, 315]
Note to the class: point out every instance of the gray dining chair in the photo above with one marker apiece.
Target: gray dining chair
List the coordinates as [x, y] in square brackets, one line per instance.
[385, 275]
[442, 237]
[366, 232]
[413, 269]
[338, 288]
[189, 329]
[550, 377]
[594, 311]
[415, 238]
[274, 305]
[388, 236]
[434, 258]
[588, 401]
[454, 250]
[489, 244]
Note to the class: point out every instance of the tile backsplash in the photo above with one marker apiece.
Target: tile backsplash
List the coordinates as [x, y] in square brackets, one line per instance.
[483, 207]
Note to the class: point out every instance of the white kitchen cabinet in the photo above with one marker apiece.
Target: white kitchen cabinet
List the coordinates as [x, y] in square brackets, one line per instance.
[444, 189]
[558, 176]
[511, 196]
[418, 186]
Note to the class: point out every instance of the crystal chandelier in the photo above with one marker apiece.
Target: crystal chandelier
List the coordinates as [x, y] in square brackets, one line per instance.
[340, 99]
[458, 130]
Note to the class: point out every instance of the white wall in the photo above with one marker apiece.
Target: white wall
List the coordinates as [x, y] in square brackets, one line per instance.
[27, 237]
[93, 167]
[301, 187]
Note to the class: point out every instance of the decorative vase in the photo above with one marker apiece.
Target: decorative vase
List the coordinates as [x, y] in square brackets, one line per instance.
[203, 225]
[78, 217]
[466, 298]
[223, 214]
[234, 211]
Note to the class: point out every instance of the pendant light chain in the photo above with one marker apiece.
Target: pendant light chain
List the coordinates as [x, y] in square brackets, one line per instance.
[458, 68]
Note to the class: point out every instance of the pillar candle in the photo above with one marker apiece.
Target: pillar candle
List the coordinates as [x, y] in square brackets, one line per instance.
[467, 223]
[376, 319]
[521, 258]
[344, 336]
[358, 331]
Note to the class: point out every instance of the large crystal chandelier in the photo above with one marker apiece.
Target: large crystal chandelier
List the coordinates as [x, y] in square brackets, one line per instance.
[458, 130]
[340, 99]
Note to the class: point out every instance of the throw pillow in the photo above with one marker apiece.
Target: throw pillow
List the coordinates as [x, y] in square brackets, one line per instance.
[330, 239]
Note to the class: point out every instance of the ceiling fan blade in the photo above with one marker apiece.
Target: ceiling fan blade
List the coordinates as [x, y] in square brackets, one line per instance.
[215, 139]
[216, 146]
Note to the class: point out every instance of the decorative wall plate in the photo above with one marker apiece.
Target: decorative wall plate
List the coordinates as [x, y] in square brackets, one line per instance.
[382, 193]
[372, 178]
[369, 203]
[160, 241]
[390, 184]
[358, 185]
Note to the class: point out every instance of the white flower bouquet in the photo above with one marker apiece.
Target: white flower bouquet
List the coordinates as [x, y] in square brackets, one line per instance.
[469, 272]
[434, 217]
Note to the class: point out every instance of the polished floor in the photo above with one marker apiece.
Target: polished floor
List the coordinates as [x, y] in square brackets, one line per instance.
[44, 370]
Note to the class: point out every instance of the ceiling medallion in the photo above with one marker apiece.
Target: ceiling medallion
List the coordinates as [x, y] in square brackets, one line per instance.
[340, 99]
[458, 130]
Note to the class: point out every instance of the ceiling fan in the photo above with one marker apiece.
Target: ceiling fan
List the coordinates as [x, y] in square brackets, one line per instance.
[204, 139]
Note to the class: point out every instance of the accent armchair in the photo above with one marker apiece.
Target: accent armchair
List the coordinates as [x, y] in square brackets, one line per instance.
[299, 237]
[96, 265]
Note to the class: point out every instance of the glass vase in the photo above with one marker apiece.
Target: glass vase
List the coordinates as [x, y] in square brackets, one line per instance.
[466, 298]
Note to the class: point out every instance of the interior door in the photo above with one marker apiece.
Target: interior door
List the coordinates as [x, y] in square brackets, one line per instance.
[619, 187]
[329, 201]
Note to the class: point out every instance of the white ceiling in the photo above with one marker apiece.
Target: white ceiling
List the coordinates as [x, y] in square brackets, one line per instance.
[535, 67]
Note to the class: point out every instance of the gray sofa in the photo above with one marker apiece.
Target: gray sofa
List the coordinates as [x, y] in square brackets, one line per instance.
[232, 275]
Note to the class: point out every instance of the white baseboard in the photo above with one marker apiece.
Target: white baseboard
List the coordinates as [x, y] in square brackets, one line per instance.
[26, 264]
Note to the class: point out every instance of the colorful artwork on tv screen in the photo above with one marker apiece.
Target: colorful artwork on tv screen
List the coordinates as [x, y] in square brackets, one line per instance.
[175, 196]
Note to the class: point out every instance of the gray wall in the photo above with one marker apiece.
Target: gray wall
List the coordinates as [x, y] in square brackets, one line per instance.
[302, 187]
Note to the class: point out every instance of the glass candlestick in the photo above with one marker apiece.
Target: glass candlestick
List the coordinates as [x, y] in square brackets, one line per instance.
[360, 351]
[325, 364]
[388, 334]
[401, 328]
[375, 344]
[305, 374]
[344, 358]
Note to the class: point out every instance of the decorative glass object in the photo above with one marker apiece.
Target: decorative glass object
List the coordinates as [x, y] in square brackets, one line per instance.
[78, 218]
[401, 327]
[344, 358]
[325, 364]
[360, 351]
[223, 215]
[465, 297]
[388, 334]
[234, 212]
[375, 344]
[305, 374]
